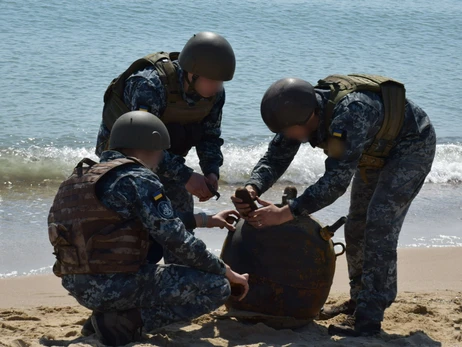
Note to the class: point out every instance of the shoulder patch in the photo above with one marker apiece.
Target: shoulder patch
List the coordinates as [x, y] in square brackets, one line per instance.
[163, 206]
[165, 209]
[340, 134]
[158, 196]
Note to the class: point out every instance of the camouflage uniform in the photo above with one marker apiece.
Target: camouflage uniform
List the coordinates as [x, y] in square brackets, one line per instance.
[164, 293]
[378, 207]
[145, 90]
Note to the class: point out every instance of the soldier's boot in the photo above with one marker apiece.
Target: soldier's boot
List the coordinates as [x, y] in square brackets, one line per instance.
[117, 328]
[348, 307]
[354, 328]
[87, 328]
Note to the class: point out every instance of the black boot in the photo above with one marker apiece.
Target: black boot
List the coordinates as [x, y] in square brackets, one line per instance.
[87, 328]
[117, 328]
[355, 328]
[348, 308]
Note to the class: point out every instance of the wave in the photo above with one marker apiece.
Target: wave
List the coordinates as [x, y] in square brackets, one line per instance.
[36, 165]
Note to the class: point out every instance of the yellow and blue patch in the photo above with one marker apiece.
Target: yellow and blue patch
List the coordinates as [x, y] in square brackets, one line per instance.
[339, 134]
[158, 196]
[144, 108]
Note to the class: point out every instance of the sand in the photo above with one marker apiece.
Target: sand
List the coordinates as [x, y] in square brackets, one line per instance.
[428, 312]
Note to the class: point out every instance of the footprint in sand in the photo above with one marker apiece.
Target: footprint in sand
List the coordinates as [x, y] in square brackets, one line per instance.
[421, 309]
[21, 318]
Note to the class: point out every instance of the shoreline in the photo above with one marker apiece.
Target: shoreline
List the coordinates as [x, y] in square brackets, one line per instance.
[419, 270]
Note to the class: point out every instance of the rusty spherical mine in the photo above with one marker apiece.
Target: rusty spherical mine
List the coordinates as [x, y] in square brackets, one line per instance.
[291, 267]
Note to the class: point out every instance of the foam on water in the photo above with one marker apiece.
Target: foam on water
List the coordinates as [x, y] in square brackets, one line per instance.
[40, 271]
[38, 165]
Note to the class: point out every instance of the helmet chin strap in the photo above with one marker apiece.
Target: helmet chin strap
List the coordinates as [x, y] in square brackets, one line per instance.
[191, 83]
[313, 137]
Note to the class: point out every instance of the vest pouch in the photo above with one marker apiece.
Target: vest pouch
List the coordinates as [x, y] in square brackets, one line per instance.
[58, 235]
[183, 137]
[67, 255]
[117, 248]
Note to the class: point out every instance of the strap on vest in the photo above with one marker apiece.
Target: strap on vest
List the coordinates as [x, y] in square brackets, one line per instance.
[167, 73]
[79, 166]
[394, 100]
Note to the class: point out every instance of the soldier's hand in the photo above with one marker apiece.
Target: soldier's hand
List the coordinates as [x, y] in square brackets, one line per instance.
[244, 209]
[238, 281]
[197, 186]
[223, 219]
[213, 180]
[269, 215]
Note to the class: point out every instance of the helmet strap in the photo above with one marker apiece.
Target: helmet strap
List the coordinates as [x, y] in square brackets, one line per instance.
[191, 83]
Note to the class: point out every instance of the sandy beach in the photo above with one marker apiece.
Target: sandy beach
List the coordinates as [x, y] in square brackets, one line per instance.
[36, 311]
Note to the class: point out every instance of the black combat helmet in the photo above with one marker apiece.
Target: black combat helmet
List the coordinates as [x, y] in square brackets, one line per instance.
[139, 130]
[287, 102]
[208, 55]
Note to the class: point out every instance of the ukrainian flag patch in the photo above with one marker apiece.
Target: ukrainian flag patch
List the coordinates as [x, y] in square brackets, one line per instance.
[158, 196]
[337, 133]
[144, 108]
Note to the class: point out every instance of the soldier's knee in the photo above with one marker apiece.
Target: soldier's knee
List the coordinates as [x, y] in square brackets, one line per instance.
[219, 290]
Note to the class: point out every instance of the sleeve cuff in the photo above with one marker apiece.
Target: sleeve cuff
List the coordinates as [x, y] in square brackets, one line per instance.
[184, 175]
[188, 220]
[294, 207]
[212, 169]
[257, 186]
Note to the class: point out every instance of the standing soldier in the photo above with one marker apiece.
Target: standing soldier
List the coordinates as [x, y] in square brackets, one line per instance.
[376, 136]
[186, 91]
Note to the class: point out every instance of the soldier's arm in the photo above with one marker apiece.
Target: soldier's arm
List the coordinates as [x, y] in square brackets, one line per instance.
[281, 151]
[209, 148]
[144, 90]
[354, 123]
[143, 196]
[102, 140]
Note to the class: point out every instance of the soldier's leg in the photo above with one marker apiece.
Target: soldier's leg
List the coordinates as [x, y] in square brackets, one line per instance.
[361, 194]
[181, 294]
[164, 293]
[182, 201]
[399, 182]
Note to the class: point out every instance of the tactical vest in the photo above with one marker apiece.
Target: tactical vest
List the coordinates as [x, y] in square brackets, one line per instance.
[393, 95]
[89, 238]
[178, 113]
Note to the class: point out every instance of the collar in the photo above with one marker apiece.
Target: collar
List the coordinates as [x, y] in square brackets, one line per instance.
[113, 155]
[110, 155]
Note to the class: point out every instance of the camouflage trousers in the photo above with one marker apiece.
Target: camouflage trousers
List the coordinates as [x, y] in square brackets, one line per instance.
[164, 293]
[182, 201]
[377, 212]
